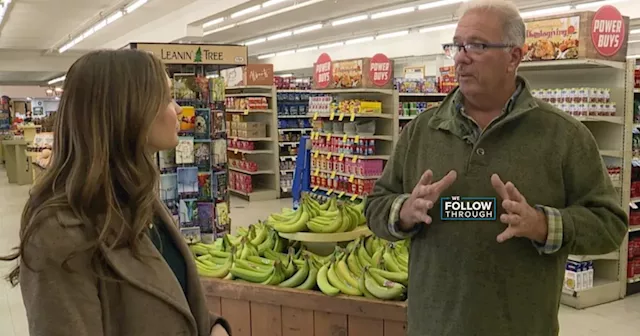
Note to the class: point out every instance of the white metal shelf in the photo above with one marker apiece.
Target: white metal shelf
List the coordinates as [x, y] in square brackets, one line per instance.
[603, 291]
[258, 172]
[299, 116]
[248, 111]
[250, 151]
[353, 136]
[250, 87]
[346, 116]
[249, 94]
[351, 156]
[571, 64]
[336, 173]
[615, 255]
[422, 94]
[295, 129]
[250, 139]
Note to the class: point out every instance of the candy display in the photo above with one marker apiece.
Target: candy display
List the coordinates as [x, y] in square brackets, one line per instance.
[413, 85]
[247, 103]
[342, 183]
[411, 109]
[240, 182]
[243, 164]
[350, 146]
[327, 104]
[361, 168]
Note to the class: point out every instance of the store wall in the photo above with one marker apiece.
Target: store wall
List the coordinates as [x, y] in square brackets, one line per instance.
[22, 91]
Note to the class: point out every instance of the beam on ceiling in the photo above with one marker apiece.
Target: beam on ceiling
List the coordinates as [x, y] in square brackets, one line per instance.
[35, 61]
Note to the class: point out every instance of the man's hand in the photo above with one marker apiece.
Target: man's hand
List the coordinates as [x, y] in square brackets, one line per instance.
[218, 330]
[423, 197]
[522, 219]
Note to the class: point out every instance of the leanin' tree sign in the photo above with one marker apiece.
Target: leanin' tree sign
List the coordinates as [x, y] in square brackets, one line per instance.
[175, 53]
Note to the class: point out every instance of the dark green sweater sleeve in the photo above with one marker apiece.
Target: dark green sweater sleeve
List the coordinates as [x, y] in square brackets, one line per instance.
[593, 221]
[388, 189]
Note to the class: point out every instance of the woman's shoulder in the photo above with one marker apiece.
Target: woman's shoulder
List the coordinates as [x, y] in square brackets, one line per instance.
[54, 237]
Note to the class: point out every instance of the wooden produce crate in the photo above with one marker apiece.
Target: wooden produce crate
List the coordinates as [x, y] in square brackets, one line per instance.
[258, 310]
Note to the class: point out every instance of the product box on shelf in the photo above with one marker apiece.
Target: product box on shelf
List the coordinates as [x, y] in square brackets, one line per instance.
[259, 133]
[249, 75]
[578, 276]
[369, 72]
[579, 101]
[571, 36]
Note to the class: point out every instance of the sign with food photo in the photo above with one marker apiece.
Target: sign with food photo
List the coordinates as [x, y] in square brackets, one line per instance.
[552, 39]
[347, 74]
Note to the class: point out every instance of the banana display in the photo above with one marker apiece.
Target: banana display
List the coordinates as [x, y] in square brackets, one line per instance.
[369, 267]
[329, 217]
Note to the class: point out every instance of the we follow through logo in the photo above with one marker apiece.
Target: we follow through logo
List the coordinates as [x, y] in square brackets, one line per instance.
[456, 208]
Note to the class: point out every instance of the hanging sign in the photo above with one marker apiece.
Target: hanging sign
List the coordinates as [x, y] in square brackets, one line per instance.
[608, 31]
[322, 71]
[176, 53]
[380, 70]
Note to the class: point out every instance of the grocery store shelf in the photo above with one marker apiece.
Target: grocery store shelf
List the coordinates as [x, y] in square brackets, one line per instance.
[301, 116]
[584, 63]
[634, 199]
[407, 117]
[295, 129]
[635, 279]
[250, 87]
[250, 139]
[351, 91]
[294, 91]
[250, 151]
[287, 157]
[288, 143]
[421, 94]
[361, 137]
[603, 291]
[330, 192]
[346, 116]
[362, 157]
[248, 94]
[286, 171]
[614, 120]
[609, 256]
[310, 237]
[611, 153]
[257, 194]
[634, 228]
[259, 172]
[361, 177]
[636, 90]
[249, 111]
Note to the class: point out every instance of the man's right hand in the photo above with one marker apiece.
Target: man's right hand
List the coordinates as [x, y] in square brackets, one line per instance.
[423, 197]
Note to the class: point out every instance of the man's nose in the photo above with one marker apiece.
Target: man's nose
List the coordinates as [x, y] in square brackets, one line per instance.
[461, 57]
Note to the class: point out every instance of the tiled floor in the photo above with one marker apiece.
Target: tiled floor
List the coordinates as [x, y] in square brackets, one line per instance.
[619, 318]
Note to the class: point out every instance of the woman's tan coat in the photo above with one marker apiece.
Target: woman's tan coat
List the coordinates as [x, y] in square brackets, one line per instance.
[147, 299]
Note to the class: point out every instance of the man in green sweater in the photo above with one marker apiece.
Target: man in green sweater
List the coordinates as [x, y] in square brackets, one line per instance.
[497, 271]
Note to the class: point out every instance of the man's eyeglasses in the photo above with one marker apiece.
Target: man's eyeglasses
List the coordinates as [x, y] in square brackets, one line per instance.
[451, 49]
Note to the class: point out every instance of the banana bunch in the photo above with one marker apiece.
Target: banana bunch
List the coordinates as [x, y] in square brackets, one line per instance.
[290, 221]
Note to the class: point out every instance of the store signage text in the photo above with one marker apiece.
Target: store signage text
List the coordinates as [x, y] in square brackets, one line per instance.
[608, 31]
[322, 71]
[380, 70]
[456, 208]
[175, 53]
[195, 56]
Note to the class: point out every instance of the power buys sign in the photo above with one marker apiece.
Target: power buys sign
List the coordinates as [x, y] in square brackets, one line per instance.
[456, 208]
[175, 53]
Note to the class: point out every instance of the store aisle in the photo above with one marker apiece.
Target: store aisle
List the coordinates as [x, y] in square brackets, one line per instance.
[618, 318]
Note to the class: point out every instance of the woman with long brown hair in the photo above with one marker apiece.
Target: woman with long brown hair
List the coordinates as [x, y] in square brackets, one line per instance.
[99, 253]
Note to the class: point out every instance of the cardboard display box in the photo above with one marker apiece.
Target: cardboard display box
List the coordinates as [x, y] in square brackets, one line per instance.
[249, 75]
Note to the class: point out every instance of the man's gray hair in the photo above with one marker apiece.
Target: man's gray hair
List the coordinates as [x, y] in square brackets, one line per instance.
[514, 29]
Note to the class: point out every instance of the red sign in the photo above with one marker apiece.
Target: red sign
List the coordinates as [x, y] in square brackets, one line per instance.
[380, 70]
[608, 31]
[322, 71]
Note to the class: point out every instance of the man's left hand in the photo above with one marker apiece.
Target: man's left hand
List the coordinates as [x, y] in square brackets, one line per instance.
[522, 219]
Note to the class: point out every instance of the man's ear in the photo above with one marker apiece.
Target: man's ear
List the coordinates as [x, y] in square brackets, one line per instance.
[516, 55]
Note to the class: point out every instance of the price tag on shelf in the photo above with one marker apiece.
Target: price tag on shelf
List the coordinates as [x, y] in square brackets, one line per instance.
[281, 131]
[351, 178]
[246, 112]
[315, 188]
[341, 194]
[353, 116]
[329, 192]
[332, 115]
[344, 138]
[341, 157]
[235, 151]
[316, 172]
[283, 159]
[283, 173]
[329, 155]
[341, 116]
[315, 154]
[333, 174]
[315, 115]
[294, 145]
[353, 198]
[328, 136]
[354, 159]
[357, 139]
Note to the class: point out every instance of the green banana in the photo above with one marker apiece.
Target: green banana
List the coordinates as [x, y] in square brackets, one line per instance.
[268, 243]
[248, 265]
[214, 272]
[276, 277]
[298, 278]
[296, 224]
[251, 275]
[323, 282]
[344, 273]
[376, 258]
[354, 264]
[389, 261]
[261, 234]
[260, 260]
[363, 288]
[341, 284]
[311, 280]
[390, 291]
[369, 245]
[399, 277]
[363, 257]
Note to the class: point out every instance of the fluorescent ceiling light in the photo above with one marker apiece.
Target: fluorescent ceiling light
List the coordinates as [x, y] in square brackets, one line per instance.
[114, 17]
[272, 2]
[66, 47]
[307, 49]
[213, 22]
[437, 28]
[634, 41]
[286, 52]
[634, 31]
[99, 25]
[285, 75]
[597, 4]
[280, 11]
[88, 33]
[391, 35]
[440, 3]
[392, 12]
[279, 35]
[545, 11]
[256, 41]
[57, 80]
[245, 11]
[219, 29]
[359, 40]
[633, 56]
[266, 56]
[135, 5]
[331, 45]
[350, 20]
[307, 29]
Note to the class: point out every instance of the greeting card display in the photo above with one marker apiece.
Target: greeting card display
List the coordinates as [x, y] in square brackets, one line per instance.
[184, 151]
[169, 192]
[167, 161]
[184, 86]
[187, 120]
[219, 182]
[223, 222]
[188, 182]
[219, 152]
[202, 124]
[206, 217]
[204, 186]
[202, 153]
[188, 212]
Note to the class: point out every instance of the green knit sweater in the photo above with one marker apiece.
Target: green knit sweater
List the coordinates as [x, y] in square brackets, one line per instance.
[463, 282]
